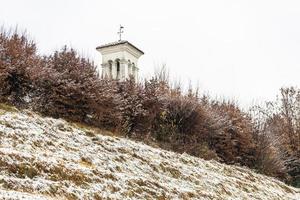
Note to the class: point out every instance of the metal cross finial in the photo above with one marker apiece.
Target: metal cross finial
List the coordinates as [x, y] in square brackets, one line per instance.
[120, 32]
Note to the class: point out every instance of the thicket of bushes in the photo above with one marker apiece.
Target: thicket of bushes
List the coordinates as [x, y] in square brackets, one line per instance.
[67, 85]
[277, 127]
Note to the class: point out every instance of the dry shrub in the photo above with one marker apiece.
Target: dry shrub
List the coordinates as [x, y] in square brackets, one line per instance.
[183, 125]
[270, 160]
[278, 125]
[67, 90]
[130, 107]
[104, 104]
[17, 55]
[233, 139]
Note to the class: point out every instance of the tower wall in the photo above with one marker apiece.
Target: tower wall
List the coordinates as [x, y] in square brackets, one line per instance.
[124, 53]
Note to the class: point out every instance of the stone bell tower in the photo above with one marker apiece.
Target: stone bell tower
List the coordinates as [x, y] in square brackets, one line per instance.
[120, 59]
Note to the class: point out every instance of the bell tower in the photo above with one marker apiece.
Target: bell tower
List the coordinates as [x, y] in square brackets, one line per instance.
[120, 59]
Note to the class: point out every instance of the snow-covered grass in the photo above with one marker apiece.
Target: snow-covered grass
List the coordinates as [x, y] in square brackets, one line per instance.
[45, 158]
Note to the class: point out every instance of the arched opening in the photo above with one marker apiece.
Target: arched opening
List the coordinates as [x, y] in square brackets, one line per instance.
[129, 68]
[110, 63]
[118, 68]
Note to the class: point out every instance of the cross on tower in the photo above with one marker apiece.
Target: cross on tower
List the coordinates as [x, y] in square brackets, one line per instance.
[120, 32]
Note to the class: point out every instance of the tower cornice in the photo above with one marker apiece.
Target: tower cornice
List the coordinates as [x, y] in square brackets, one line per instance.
[122, 42]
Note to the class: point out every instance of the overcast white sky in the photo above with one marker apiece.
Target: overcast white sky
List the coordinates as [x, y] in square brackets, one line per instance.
[236, 49]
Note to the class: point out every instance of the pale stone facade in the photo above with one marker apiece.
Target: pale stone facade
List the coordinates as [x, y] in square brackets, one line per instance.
[120, 60]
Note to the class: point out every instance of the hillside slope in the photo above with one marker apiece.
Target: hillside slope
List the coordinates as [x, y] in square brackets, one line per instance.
[45, 158]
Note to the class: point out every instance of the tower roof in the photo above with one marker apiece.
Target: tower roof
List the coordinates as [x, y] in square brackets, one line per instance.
[119, 43]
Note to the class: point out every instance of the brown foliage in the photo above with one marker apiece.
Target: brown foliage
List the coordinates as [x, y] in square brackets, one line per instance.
[233, 139]
[67, 85]
[17, 55]
[278, 133]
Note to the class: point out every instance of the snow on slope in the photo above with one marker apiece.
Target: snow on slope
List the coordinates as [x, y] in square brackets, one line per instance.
[45, 158]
